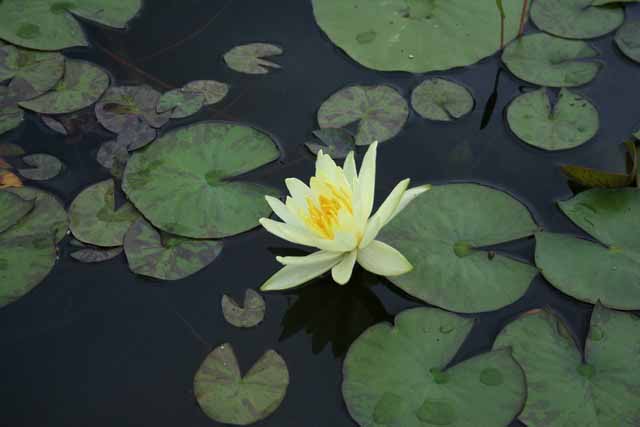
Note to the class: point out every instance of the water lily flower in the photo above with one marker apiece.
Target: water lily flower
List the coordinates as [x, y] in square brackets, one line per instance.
[333, 214]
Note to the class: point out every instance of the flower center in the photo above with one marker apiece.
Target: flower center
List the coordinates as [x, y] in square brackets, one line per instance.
[323, 214]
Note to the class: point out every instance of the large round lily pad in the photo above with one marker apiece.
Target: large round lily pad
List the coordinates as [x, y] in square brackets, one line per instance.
[566, 389]
[13, 209]
[48, 216]
[95, 219]
[164, 256]
[608, 271]
[551, 61]
[441, 233]
[416, 35]
[628, 39]
[185, 183]
[32, 73]
[228, 397]
[399, 376]
[440, 99]
[51, 25]
[576, 19]
[380, 110]
[571, 122]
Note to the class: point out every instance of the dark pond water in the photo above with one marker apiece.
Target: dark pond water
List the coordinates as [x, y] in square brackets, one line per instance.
[96, 345]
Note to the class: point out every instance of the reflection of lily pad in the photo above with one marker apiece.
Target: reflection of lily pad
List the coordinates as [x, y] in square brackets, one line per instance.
[180, 103]
[212, 90]
[164, 256]
[399, 376]
[440, 99]
[576, 19]
[570, 123]
[248, 58]
[380, 110]
[565, 389]
[94, 218]
[184, 182]
[247, 315]
[13, 209]
[82, 85]
[336, 142]
[608, 271]
[121, 104]
[551, 61]
[32, 73]
[416, 35]
[440, 233]
[628, 39]
[95, 255]
[43, 167]
[48, 217]
[227, 397]
[51, 24]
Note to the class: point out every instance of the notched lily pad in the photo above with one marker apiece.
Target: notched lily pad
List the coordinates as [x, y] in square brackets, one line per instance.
[113, 155]
[248, 58]
[337, 143]
[121, 104]
[13, 209]
[213, 91]
[11, 116]
[180, 103]
[43, 167]
[48, 216]
[250, 314]
[628, 40]
[442, 100]
[32, 73]
[94, 255]
[577, 19]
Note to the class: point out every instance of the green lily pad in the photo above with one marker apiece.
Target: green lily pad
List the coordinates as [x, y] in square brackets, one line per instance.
[576, 19]
[566, 389]
[228, 397]
[10, 115]
[441, 233]
[248, 58]
[628, 40]
[399, 376]
[570, 123]
[380, 110]
[250, 314]
[442, 100]
[136, 134]
[44, 167]
[48, 216]
[112, 155]
[13, 209]
[32, 73]
[164, 256]
[185, 183]
[92, 255]
[180, 103]
[95, 219]
[51, 24]
[212, 90]
[416, 35]
[337, 143]
[608, 270]
[551, 61]
[121, 104]
[83, 84]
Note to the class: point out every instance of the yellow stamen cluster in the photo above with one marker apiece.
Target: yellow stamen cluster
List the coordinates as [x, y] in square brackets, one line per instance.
[323, 214]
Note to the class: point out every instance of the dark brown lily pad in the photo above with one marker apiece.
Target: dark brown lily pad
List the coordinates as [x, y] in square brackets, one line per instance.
[120, 103]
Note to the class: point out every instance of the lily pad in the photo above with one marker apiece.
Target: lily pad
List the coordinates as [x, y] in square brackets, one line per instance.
[442, 233]
[551, 61]
[566, 389]
[594, 178]
[136, 134]
[416, 35]
[164, 256]
[95, 255]
[570, 123]
[95, 219]
[122, 103]
[380, 110]
[11, 150]
[442, 100]
[51, 24]
[44, 167]
[48, 216]
[185, 183]
[248, 58]
[13, 209]
[180, 103]
[212, 90]
[607, 270]
[400, 376]
[228, 397]
[337, 143]
[628, 40]
[10, 115]
[83, 84]
[250, 314]
[576, 19]
[32, 73]
[112, 154]
[54, 125]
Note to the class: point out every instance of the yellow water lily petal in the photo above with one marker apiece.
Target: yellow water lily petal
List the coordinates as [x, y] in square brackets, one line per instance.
[342, 271]
[283, 212]
[291, 276]
[320, 256]
[367, 182]
[380, 258]
[289, 232]
[350, 171]
[298, 189]
[408, 196]
[384, 213]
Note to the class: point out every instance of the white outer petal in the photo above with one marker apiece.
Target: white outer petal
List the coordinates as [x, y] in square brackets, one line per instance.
[298, 189]
[289, 232]
[385, 212]
[350, 172]
[320, 256]
[283, 211]
[291, 276]
[367, 182]
[380, 258]
[408, 197]
[342, 271]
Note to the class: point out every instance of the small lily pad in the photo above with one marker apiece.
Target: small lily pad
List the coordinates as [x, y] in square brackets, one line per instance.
[576, 19]
[250, 314]
[570, 123]
[628, 40]
[83, 84]
[95, 219]
[54, 125]
[122, 103]
[400, 376]
[380, 110]
[48, 216]
[32, 73]
[551, 61]
[136, 134]
[44, 167]
[164, 256]
[13, 209]
[227, 397]
[337, 143]
[212, 90]
[10, 115]
[180, 103]
[95, 255]
[248, 58]
[442, 100]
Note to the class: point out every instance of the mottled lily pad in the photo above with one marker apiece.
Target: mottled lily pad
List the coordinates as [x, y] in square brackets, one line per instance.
[13, 209]
[228, 397]
[51, 24]
[380, 110]
[607, 270]
[93, 255]
[136, 134]
[336, 142]
[628, 40]
[122, 103]
[576, 19]
[565, 388]
[212, 90]
[248, 58]
[95, 219]
[442, 100]
[416, 35]
[48, 216]
[551, 61]
[43, 167]
[400, 376]
[571, 122]
[442, 232]
[185, 183]
[32, 73]
[83, 84]
[165, 256]
[10, 114]
[180, 103]
[250, 314]
[112, 154]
